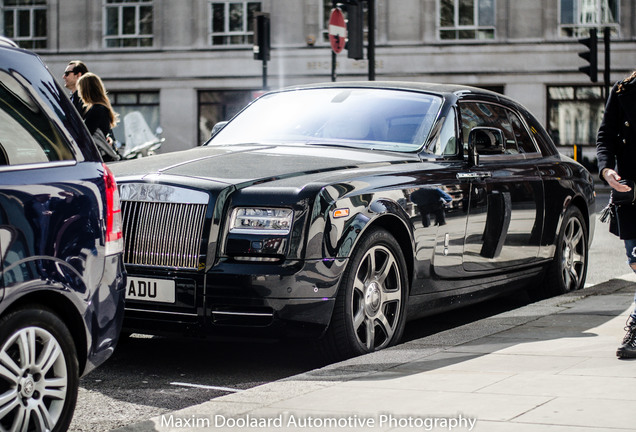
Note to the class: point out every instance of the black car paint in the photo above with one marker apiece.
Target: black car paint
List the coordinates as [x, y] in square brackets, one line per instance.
[314, 181]
[52, 219]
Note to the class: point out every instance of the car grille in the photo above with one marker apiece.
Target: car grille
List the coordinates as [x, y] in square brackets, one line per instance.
[165, 234]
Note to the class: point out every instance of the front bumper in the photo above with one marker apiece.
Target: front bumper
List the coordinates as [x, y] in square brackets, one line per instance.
[241, 300]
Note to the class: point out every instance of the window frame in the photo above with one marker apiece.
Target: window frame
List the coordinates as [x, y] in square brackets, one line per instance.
[122, 37]
[507, 109]
[246, 33]
[578, 100]
[457, 28]
[124, 107]
[30, 41]
[581, 29]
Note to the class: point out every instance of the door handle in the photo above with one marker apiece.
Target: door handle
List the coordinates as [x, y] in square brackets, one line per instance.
[473, 175]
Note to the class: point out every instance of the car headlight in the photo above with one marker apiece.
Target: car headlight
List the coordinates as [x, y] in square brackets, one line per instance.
[261, 220]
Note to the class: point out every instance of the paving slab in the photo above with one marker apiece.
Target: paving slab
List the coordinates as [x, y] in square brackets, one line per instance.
[547, 367]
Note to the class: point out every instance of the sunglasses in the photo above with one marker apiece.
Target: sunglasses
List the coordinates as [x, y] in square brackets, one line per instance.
[68, 72]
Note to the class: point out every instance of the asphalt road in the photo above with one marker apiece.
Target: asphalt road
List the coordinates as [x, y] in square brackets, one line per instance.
[148, 376]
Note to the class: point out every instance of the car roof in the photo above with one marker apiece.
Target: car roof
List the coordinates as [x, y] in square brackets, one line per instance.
[6, 42]
[441, 89]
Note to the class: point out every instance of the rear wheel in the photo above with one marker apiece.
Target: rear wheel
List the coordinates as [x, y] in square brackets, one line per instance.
[569, 267]
[369, 314]
[38, 372]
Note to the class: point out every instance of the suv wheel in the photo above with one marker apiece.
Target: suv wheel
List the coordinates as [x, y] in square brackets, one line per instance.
[38, 372]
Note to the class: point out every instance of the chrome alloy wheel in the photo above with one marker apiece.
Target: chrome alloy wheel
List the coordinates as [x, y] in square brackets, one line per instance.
[573, 257]
[33, 381]
[377, 297]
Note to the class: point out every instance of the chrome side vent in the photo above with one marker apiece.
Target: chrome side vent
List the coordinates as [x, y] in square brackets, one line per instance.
[165, 234]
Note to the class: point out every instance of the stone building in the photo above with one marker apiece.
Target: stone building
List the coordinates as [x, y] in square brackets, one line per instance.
[186, 64]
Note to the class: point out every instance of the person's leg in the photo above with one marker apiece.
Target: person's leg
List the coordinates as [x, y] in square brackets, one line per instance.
[628, 348]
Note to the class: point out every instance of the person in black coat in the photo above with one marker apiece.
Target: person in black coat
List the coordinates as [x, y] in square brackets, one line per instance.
[73, 72]
[616, 154]
[99, 113]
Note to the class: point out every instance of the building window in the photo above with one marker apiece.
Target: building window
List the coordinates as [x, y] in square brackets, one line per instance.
[232, 22]
[147, 103]
[325, 14]
[574, 113]
[25, 21]
[578, 16]
[216, 106]
[128, 23]
[466, 19]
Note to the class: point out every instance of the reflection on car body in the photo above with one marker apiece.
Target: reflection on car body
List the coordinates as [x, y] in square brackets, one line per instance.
[62, 276]
[338, 211]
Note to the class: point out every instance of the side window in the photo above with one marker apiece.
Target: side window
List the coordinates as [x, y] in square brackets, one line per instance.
[446, 142]
[524, 141]
[482, 114]
[27, 135]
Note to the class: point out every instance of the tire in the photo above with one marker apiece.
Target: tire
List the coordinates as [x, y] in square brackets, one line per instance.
[569, 267]
[38, 372]
[369, 313]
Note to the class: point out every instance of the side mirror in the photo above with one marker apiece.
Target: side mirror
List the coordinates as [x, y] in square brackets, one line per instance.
[484, 141]
[217, 128]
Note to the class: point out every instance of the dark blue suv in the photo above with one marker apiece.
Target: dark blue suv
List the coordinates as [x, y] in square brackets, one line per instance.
[61, 272]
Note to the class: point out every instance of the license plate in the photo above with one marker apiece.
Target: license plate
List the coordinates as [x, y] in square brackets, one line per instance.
[151, 290]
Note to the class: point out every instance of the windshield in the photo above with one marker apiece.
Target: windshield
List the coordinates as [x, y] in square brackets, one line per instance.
[368, 118]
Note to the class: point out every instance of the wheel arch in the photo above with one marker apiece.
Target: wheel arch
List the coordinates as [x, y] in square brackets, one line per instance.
[398, 228]
[578, 202]
[65, 310]
[403, 236]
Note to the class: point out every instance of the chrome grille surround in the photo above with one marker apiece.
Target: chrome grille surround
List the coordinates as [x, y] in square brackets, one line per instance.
[163, 225]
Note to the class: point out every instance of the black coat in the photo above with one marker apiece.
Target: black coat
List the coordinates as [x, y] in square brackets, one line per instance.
[77, 103]
[616, 149]
[98, 116]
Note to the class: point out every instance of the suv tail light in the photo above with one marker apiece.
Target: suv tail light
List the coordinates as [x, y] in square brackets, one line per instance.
[114, 234]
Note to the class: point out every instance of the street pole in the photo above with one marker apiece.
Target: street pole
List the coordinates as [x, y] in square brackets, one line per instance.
[333, 66]
[606, 71]
[371, 38]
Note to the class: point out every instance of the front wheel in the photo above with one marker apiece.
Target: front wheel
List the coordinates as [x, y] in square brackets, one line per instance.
[569, 267]
[370, 309]
[38, 372]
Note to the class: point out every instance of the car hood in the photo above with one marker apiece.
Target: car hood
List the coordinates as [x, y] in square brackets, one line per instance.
[248, 163]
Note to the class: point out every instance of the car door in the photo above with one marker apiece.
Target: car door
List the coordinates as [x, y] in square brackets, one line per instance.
[442, 207]
[505, 211]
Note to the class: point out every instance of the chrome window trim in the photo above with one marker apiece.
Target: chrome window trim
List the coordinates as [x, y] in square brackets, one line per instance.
[39, 165]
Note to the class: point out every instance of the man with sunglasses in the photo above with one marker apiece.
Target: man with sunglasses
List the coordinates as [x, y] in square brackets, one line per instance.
[72, 73]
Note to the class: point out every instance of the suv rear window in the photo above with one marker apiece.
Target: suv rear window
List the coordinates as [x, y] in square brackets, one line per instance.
[27, 135]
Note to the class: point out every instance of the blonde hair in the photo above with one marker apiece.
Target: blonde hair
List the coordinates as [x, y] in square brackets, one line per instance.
[625, 81]
[92, 91]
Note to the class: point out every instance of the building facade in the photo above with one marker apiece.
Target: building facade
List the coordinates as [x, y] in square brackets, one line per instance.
[187, 64]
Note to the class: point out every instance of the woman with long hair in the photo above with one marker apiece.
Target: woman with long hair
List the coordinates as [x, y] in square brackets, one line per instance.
[99, 113]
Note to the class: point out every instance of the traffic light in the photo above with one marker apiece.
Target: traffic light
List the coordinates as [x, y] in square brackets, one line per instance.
[261, 36]
[590, 55]
[355, 30]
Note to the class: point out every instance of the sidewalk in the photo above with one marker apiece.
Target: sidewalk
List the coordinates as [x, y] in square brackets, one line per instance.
[549, 367]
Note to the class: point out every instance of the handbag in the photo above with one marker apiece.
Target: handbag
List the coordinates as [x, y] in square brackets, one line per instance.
[105, 149]
[618, 199]
[622, 198]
